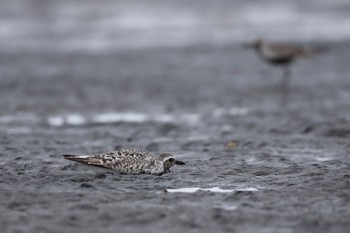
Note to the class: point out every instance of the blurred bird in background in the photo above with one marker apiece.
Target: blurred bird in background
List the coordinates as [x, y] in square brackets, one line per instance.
[282, 55]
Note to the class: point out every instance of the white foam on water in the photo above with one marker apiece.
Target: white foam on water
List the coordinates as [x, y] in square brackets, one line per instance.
[166, 118]
[220, 112]
[142, 117]
[18, 123]
[115, 117]
[251, 160]
[72, 119]
[249, 189]
[120, 117]
[55, 121]
[214, 190]
[75, 119]
[190, 118]
[226, 207]
[19, 118]
[19, 130]
[323, 159]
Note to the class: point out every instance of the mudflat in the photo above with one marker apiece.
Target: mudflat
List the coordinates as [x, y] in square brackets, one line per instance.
[251, 165]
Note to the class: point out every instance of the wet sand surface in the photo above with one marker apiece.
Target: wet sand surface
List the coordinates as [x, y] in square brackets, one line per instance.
[213, 103]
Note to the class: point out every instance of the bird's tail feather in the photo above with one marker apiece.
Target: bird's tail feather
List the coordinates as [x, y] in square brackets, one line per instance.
[76, 158]
[315, 50]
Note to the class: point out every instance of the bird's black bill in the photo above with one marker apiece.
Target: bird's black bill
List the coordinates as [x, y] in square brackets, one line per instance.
[177, 162]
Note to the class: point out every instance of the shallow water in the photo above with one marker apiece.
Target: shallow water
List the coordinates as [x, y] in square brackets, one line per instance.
[107, 25]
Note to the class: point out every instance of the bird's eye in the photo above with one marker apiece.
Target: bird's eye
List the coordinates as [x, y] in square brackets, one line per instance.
[171, 160]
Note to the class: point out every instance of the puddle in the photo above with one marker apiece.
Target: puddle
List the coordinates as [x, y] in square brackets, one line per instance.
[214, 190]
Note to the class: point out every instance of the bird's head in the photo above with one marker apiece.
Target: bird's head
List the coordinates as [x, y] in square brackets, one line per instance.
[169, 160]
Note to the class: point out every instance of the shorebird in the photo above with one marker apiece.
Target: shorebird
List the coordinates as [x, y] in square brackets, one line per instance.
[283, 55]
[128, 161]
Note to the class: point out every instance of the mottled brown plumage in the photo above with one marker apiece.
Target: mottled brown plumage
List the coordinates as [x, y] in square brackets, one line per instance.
[129, 161]
[280, 53]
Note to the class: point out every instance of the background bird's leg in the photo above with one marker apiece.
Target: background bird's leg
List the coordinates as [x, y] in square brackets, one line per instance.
[285, 86]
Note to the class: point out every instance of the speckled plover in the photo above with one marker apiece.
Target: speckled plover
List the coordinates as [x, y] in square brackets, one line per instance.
[281, 54]
[128, 161]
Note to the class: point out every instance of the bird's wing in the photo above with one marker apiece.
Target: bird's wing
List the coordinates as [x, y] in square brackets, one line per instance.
[134, 158]
[294, 50]
[116, 160]
[100, 160]
[132, 153]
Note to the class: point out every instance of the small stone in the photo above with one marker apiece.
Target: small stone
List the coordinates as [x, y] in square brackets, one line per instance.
[232, 145]
[87, 185]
